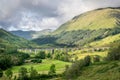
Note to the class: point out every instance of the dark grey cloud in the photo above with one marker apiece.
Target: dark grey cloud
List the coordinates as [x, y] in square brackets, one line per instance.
[43, 14]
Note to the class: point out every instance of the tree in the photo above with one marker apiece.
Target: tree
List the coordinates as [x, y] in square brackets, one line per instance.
[23, 74]
[75, 69]
[33, 73]
[41, 55]
[9, 73]
[52, 70]
[1, 73]
[87, 61]
[5, 61]
[57, 56]
[49, 55]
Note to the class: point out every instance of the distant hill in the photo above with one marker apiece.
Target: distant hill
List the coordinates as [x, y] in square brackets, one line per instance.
[44, 32]
[23, 34]
[31, 34]
[86, 28]
[8, 39]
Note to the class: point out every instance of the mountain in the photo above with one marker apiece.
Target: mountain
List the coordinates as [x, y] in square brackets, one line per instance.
[86, 28]
[31, 34]
[102, 18]
[38, 34]
[24, 34]
[8, 39]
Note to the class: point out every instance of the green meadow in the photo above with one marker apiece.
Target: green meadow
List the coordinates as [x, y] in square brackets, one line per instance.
[44, 66]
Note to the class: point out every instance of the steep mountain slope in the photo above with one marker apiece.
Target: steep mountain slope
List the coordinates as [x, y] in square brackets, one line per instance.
[86, 28]
[102, 18]
[8, 39]
[31, 34]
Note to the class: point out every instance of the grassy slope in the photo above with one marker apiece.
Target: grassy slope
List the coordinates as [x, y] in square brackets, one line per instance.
[44, 66]
[106, 41]
[102, 71]
[81, 54]
[8, 39]
[93, 20]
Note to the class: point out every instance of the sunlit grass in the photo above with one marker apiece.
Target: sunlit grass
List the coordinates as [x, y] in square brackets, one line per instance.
[44, 66]
[106, 41]
[81, 54]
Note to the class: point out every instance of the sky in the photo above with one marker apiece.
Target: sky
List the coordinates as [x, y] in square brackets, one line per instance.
[38, 15]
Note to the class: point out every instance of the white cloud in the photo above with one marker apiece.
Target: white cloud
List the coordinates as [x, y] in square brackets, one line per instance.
[49, 23]
[70, 8]
[44, 14]
[32, 22]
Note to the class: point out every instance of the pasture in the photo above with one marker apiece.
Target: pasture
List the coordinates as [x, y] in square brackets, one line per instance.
[44, 66]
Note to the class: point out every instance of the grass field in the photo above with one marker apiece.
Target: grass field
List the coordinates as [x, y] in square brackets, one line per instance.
[44, 66]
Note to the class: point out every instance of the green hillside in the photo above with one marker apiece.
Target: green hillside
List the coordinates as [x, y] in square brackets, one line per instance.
[8, 39]
[106, 41]
[92, 26]
[103, 18]
[101, 71]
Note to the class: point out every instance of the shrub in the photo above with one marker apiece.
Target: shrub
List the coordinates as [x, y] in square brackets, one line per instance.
[76, 68]
[87, 61]
[52, 70]
[5, 61]
[49, 55]
[16, 60]
[41, 55]
[114, 53]
[96, 58]
[33, 73]
[9, 73]
[23, 74]
[1, 73]
[60, 55]
[36, 60]
[39, 61]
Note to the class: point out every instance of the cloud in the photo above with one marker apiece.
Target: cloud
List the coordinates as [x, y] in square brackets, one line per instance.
[45, 14]
[69, 8]
[32, 22]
